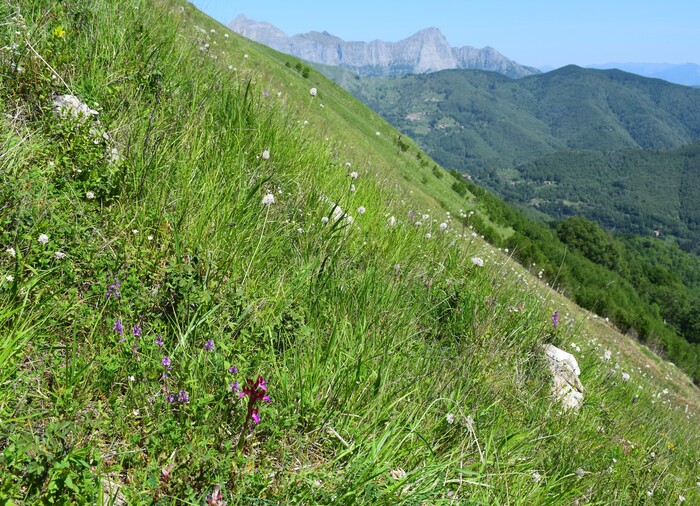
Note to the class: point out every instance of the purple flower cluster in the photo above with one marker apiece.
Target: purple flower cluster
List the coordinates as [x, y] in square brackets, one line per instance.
[555, 319]
[256, 391]
[209, 345]
[113, 290]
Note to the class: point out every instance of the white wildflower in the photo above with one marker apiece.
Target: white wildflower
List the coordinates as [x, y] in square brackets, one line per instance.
[625, 376]
[268, 199]
[135, 231]
[150, 237]
[425, 217]
[10, 278]
[353, 175]
[352, 188]
[392, 221]
[348, 164]
[337, 213]
[607, 355]
[361, 210]
[428, 235]
[419, 223]
[377, 134]
[536, 477]
[324, 220]
[89, 195]
[443, 226]
[450, 418]
[681, 498]
[266, 155]
[350, 219]
[11, 252]
[478, 261]
[313, 92]
[60, 255]
[226, 36]
[245, 56]
[43, 239]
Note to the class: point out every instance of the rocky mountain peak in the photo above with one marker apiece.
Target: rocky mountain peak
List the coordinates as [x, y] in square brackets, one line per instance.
[425, 51]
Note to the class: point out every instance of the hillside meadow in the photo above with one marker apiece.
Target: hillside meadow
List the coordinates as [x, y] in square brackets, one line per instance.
[221, 281]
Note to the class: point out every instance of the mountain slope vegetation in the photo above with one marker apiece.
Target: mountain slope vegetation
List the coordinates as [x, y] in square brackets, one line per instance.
[645, 192]
[502, 131]
[225, 281]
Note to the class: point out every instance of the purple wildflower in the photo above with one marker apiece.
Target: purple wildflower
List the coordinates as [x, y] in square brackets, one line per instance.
[137, 330]
[113, 290]
[255, 390]
[209, 345]
[159, 340]
[118, 326]
[233, 369]
[165, 362]
[235, 387]
[555, 319]
[183, 397]
[170, 398]
[216, 499]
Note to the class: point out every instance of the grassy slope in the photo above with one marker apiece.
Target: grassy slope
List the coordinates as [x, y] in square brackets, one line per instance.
[368, 335]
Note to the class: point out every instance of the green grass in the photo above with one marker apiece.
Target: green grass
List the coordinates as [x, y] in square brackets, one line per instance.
[368, 335]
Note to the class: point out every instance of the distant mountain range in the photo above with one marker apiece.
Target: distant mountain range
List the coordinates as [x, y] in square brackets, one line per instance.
[605, 143]
[423, 52]
[687, 73]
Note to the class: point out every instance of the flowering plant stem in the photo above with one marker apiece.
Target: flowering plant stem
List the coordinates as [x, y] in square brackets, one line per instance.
[252, 257]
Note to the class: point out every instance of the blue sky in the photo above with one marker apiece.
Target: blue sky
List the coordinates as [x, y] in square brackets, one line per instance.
[531, 32]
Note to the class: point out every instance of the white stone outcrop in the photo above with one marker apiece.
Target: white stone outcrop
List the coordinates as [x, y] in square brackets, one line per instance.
[72, 105]
[566, 386]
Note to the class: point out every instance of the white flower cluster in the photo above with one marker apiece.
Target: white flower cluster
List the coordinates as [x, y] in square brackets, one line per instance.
[478, 261]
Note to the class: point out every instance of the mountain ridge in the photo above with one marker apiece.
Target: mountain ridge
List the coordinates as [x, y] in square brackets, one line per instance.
[423, 52]
[687, 74]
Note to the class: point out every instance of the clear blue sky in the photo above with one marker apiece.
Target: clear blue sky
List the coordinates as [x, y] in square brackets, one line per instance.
[531, 32]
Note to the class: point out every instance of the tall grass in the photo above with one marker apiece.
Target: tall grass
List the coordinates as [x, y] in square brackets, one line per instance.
[399, 370]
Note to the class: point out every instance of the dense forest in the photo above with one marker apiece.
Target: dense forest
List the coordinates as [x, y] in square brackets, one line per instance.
[645, 192]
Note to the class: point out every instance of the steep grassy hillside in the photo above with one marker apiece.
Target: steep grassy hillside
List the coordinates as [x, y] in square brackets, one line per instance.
[213, 289]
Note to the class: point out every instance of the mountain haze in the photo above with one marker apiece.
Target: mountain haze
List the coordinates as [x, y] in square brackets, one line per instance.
[423, 52]
[687, 74]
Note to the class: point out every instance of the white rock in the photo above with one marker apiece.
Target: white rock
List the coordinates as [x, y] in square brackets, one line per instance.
[70, 104]
[566, 386]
